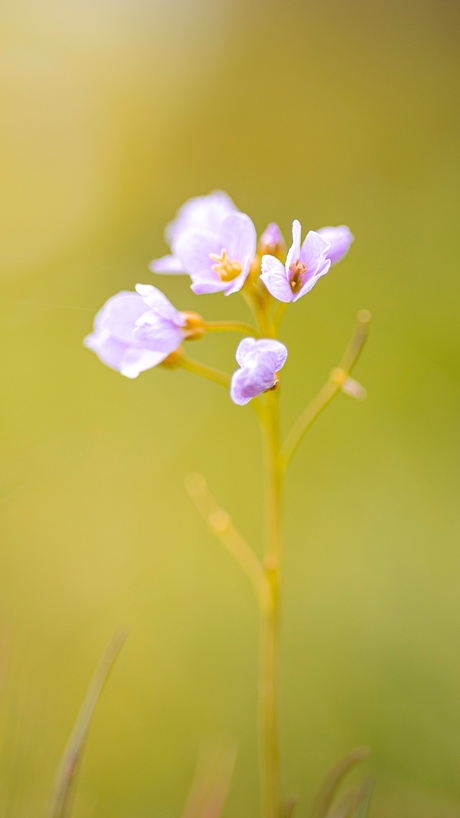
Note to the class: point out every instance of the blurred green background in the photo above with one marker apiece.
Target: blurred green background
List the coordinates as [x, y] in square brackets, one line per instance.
[113, 114]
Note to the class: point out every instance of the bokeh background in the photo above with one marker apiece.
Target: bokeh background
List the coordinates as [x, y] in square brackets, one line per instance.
[113, 114]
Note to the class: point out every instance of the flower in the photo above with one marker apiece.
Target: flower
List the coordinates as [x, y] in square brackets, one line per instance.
[206, 212]
[137, 331]
[218, 260]
[340, 239]
[272, 242]
[260, 362]
[304, 266]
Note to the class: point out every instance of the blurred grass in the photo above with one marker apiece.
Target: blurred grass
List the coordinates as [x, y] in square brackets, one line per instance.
[113, 115]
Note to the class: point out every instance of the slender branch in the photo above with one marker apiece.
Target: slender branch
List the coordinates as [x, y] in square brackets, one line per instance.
[354, 348]
[231, 326]
[222, 527]
[278, 313]
[336, 381]
[204, 371]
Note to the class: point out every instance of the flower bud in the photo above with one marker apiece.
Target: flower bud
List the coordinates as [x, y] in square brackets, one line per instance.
[271, 242]
[193, 328]
[173, 359]
[340, 240]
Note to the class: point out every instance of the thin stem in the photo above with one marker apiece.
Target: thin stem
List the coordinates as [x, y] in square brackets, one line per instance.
[222, 527]
[278, 313]
[269, 658]
[231, 326]
[205, 371]
[331, 388]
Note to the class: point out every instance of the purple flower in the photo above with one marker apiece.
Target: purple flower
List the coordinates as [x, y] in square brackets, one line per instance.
[260, 362]
[272, 242]
[207, 212]
[304, 266]
[218, 260]
[340, 239]
[136, 331]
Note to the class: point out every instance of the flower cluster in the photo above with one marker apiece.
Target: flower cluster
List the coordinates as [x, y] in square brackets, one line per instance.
[216, 245]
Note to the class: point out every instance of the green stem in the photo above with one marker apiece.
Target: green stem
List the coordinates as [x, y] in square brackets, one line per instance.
[278, 313]
[205, 371]
[331, 388]
[269, 658]
[231, 326]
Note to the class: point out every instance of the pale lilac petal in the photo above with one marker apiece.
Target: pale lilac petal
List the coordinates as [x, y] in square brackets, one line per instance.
[250, 347]
[156, 300]
[204, 286]
[276, 348]
[114, 341]
[275, 279]
[157, 334]
[260, 361]
[205, 212]
[245, 347]
[194, 249]
[294, 250]
[340, 239]
[247, 384]
[168, 265]
[238, 237]
[118, 316]
[135, 361]
[313, 252]
[108, 350]
[310, 282]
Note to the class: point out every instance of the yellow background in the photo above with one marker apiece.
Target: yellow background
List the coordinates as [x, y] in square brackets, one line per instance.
[113, 114]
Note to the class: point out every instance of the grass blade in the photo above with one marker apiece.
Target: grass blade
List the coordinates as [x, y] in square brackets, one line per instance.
[290, 806]
[211, 784]
[64, 783]
[362, 809]
[333, 780]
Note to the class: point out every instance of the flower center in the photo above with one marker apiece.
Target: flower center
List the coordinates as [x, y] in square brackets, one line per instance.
[297, 272]
[225, 268]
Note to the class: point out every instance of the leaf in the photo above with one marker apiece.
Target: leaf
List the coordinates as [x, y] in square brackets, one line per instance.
[331, 783]
[362, 809]
[290, 805]
[64, 783]
[353, 803]
[210, 786]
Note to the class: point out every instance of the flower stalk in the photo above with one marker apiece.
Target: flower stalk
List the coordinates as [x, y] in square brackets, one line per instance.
[216, 245]
[270, 616]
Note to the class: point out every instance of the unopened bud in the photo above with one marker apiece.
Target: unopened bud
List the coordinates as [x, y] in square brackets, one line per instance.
[354, 389]
[193, 328]
[348, 385]
[272, 243]
[174, 358]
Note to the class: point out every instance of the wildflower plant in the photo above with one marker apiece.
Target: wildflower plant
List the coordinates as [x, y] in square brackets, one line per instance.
[216, 245]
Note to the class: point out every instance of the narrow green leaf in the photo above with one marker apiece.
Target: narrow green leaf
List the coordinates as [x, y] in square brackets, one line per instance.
[211, 784]
[64, 784]
[362, 809]
[290, 805]
[331, 783]
[353, 803]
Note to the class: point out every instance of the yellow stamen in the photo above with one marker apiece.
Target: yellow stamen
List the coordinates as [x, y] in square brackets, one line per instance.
[226, 269]
[297, 272]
